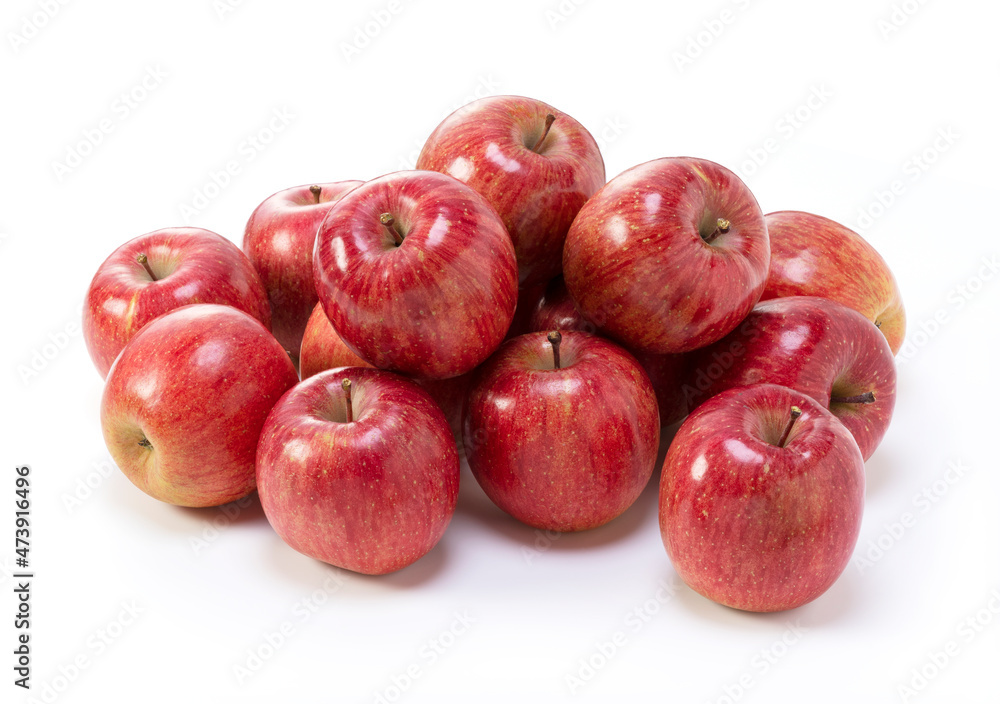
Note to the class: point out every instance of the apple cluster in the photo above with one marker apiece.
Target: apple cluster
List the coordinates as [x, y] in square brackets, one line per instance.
[503, 301]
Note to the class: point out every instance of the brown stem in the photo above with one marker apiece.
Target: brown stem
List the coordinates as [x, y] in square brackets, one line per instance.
[721, 228]
[794, 414]
[867, 397]
[549, 119]
[142, 259]
[390, 224]
[316, 191]
[346, 384]
[555, 337]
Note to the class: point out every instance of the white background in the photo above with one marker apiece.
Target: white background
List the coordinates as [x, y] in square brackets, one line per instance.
[539, 606]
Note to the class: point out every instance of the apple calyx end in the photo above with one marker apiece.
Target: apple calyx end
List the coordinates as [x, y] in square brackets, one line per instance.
[555, 338]
[145, 443]
[144, 260]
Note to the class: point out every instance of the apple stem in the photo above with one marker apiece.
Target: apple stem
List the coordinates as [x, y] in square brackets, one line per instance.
[142, 259]
[549, 119]
[346, 384]
[721, 228]
[795, 412]
[555, 337]
[867, 397]
[390, 224]
[315, 190]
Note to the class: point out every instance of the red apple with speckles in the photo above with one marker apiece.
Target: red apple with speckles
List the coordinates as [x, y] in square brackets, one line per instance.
[536, 165]
[279, 240]
[761, 498]
[814, 256]
[417, 274]
[814, 345]
[362, 475]
[556, 310]
[159, 272]
[669, 256]
[185, 402]
[323, 349]
[561, 431]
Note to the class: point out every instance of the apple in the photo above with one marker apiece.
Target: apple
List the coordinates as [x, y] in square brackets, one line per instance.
[185, 402]
[417, 274]
[536, 165]
[761, 498]
[279, 240]
[527, 301]
[814, 256]
[817, 346]
[561, 430]
[556, 310]
[669, 256]
[323, 349]
[357, 467]
[159, 272]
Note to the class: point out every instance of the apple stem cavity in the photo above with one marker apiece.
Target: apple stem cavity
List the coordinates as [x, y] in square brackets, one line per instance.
[390, 224]
[721, 228]
[549, 119]
[316, 191]
[794, 414]
[867, 397]
[142, 259]
[346, 385]
[555, 338]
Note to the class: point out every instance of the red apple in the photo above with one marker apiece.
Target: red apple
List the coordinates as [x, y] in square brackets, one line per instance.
[669, 256]
[816, 346]
[761, 499]
[365, 478]
[536, 165]
[185, 402]
[556, 310]
[323, 349]
[159, 272]
[562, 431]
[279, 240]
[813, 256]
[417, 274]
[527, 301]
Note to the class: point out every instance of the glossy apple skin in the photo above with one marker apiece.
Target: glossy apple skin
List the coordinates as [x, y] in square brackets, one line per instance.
[752, 525]
[814, 256]
[323, 349]
[197, 385]
[373, 495]
[279, 240]
[192, 266]
[556, 310]
[813, 345]
[488, 144]
[637, 265]
[562, 449]
[437, 305]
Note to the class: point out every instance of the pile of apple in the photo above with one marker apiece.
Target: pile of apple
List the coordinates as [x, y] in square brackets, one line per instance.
[505, 302]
